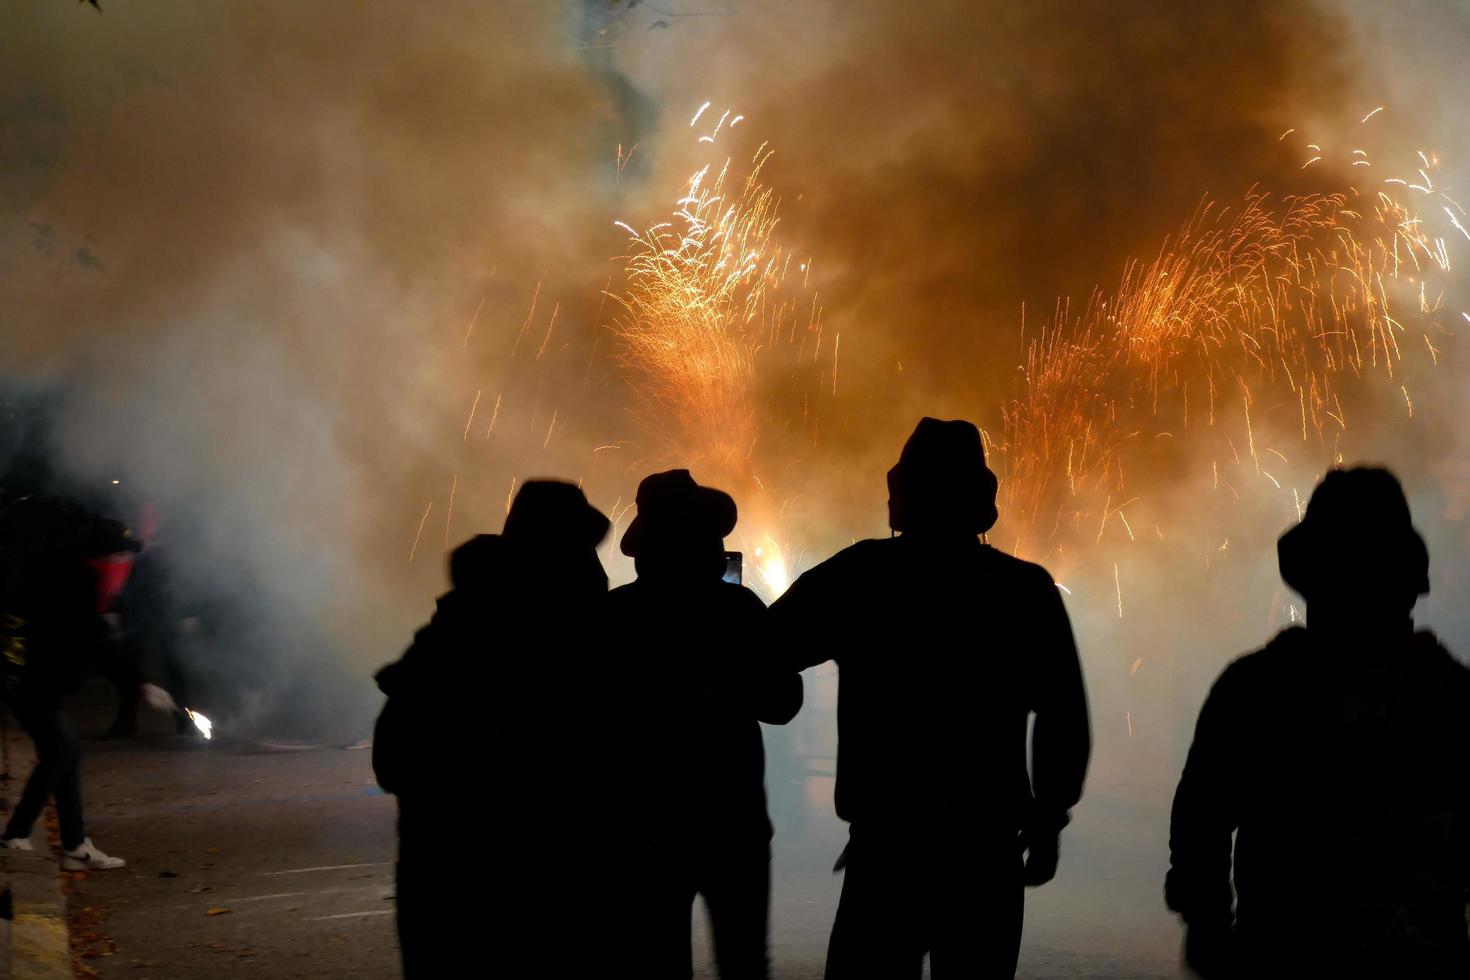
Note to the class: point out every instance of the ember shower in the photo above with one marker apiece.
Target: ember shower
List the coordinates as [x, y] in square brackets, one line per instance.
[328, 315]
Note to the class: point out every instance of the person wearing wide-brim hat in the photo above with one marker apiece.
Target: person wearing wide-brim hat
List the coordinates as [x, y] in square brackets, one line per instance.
[481, 740]
[945, 647]
[1327, 777]
[677, 518]
[692, 677]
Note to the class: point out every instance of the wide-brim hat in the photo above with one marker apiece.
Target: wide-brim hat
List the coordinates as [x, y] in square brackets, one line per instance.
[551, 513]
[941, 481]
[1357, 531]
[673, 510]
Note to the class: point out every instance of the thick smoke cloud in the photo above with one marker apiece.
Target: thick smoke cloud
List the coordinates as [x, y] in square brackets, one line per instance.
[237, 237]
[249, 241]
[949, 163]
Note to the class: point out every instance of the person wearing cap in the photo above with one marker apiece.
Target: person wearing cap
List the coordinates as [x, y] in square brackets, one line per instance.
[470, 714]
[59, 633]
[945, 647]
[695, 674]
[1336, 757]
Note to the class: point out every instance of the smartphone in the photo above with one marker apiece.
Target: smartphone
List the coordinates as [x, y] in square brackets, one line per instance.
[733, 562]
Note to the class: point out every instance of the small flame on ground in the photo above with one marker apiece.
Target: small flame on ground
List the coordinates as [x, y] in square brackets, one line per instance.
[205, 726]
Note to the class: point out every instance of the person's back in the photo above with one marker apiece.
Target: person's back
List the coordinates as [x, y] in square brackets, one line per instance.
[473, 744]
[687, 681]
[690, 689]
[1352, 828]
[945, 648]
[1337, 757]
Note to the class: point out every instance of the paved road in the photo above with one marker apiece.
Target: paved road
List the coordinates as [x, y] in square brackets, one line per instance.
[297, 847]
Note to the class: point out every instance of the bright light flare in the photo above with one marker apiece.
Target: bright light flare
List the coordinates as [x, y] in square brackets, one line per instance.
[770, 564]
[205, 726]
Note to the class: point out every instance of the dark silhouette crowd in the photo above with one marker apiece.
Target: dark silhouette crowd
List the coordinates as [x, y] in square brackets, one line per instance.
[1319, 828]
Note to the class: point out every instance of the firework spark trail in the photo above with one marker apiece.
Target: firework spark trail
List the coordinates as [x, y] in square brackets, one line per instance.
[1292, 298]
[701, 300]
[494, 415]
[473, 320]
[470, 421]
[449, 517]
[419, 533]
[702, 310]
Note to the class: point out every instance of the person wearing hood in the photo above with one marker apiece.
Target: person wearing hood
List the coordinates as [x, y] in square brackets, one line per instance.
[694, 676]
[1335, 759]
[472, 744]
[51, 633]
[945, 648]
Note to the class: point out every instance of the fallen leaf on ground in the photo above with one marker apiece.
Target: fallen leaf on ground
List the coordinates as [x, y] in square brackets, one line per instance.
[214, 912]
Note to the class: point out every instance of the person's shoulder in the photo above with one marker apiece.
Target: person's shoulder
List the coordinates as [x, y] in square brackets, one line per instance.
[856, 560]
[1445, 667]
[1284, 652]
[739, 597]
[861, 554]
[623, 594]
[1018, 569]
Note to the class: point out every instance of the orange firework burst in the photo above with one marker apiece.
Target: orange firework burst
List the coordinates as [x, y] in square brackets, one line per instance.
[703, 300]
[1287, 300]
[700, 301]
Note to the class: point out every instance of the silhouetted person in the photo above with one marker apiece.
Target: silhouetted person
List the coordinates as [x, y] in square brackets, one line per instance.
[52, 632]
[477, 740]
[1337, 758]
[944, 648]
[694, 675]
[147, 630]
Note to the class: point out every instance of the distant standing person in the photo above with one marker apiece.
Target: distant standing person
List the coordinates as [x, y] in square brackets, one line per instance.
[53, 632]
[479, 753]
[945, 648]
[149, 629]
[688, 686]
[1336, 758]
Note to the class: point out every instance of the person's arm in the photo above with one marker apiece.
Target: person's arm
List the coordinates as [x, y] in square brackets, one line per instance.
[773, 684]
[1204, 818]
[803, 622]
[779, 694]
[1061, 739]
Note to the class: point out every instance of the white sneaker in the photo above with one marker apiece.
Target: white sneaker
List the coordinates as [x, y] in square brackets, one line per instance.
[88, 857]
[17, 844]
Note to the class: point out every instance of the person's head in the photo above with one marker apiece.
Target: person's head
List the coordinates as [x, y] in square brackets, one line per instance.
[680, 527]
[940, 484]
[1355, 556]
[552, 531]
